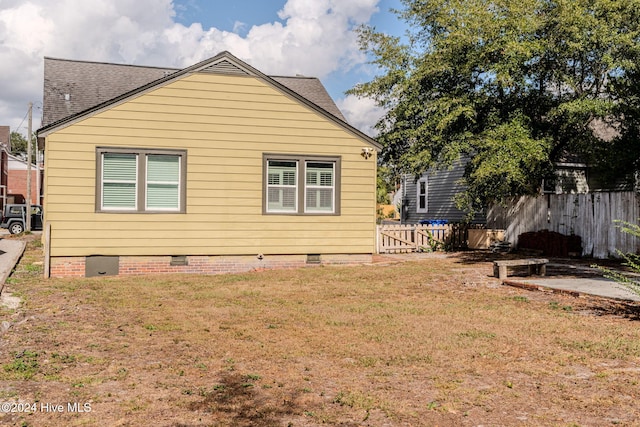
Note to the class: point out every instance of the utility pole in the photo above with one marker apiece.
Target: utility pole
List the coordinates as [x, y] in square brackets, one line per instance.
[29, 148]
[37, 162]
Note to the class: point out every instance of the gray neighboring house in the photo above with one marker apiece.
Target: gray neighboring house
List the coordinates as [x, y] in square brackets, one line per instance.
[574, 176]
[73, 86]
[430, 197]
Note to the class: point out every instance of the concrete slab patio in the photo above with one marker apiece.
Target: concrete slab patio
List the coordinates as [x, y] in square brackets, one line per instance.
[600, 287]
[575, 278]
[563, 275]
[10, 252]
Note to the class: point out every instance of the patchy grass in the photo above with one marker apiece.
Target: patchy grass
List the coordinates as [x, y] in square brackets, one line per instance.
[434, 342]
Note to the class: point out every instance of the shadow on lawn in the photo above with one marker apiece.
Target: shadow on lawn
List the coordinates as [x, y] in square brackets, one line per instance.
[604, 307]
[237, 401]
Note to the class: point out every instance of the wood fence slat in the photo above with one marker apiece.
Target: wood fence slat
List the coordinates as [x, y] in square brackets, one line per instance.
[410, 238]
[591, 216]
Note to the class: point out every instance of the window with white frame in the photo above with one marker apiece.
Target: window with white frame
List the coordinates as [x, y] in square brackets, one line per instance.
[140, 180]
[119, 181]
[282, 186]
[422, 201]
[320, 187]
[163, 182]
[301, 185]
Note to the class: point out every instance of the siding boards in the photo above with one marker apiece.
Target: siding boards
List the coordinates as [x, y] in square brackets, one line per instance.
[226, 123]
[321, 142]
[443, 185]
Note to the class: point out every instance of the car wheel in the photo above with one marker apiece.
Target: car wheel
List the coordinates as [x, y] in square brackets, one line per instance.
[16, 228]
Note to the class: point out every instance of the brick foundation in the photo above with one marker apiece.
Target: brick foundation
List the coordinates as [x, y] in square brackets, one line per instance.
[67, 267]
[140, 265]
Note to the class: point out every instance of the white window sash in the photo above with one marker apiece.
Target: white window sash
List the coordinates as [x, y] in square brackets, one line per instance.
[422, 193]
[276, 192]
[105, 182]
[150, 183]
[316, 191]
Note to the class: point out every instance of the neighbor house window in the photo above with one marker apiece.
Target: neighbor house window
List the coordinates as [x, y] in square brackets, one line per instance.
[140, 180]
[301, 185]
[422, 188]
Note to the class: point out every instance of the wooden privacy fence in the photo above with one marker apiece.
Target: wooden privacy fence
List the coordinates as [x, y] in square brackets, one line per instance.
[591, 216]
[412, 238]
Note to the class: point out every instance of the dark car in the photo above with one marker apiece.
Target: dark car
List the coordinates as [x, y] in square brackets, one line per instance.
[13, 218]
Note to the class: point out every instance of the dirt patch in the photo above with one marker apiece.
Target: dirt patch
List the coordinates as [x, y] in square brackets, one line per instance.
[431, 341]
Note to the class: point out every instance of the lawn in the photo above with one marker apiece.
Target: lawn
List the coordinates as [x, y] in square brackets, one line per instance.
[436, 342]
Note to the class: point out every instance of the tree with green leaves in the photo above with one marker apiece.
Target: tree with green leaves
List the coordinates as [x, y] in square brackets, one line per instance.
[512, 85]
[18, 144]
[384, 185]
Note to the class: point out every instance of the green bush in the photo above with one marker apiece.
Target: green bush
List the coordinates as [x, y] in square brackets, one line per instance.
[631, 261]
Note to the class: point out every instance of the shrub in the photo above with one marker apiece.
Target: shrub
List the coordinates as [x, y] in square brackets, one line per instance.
[631, 261]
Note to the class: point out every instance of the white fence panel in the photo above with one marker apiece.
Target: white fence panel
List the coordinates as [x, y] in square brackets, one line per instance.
[410, 238]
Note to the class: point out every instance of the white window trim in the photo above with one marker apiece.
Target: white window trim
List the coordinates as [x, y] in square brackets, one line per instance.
[103, 181]
[283, 186]
[320, 187]
[147, 182]
[425, 195]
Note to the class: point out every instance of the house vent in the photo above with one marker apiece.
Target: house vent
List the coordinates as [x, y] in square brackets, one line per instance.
[314, 259]
[179, 260]
[225, 67]
[102, 266]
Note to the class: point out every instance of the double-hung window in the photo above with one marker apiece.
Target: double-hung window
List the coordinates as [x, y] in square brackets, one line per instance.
[119, 181]
[282, 186]
[140, 180]
[301, 185]
[163, 182]
[422, 189]
[320, 187]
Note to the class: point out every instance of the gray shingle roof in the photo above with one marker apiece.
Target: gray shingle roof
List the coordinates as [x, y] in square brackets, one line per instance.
[313, 90]
[74, 86]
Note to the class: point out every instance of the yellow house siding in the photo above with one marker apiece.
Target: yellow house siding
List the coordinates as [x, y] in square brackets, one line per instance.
[225, 123]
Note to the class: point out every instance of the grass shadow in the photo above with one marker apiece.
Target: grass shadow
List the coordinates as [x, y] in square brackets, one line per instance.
[605, 307]
[236, 401]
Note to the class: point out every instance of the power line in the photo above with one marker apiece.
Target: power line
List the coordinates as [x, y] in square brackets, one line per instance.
[23, 119]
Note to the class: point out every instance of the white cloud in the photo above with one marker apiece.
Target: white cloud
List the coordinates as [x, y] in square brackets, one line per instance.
[362, 113]
[239, 26]
[314, 39]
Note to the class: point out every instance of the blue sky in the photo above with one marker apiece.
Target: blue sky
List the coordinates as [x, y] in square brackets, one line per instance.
[226, 15]
[240, 15]
[279, 37]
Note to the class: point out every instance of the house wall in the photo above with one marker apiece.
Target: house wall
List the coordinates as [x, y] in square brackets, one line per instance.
[4, 175]
[17, 186]
[443, 185]
[225, 123]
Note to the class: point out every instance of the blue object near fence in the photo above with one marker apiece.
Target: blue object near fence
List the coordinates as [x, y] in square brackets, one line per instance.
[433, 222]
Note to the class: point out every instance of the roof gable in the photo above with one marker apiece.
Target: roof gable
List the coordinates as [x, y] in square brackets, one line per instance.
[75, 89]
